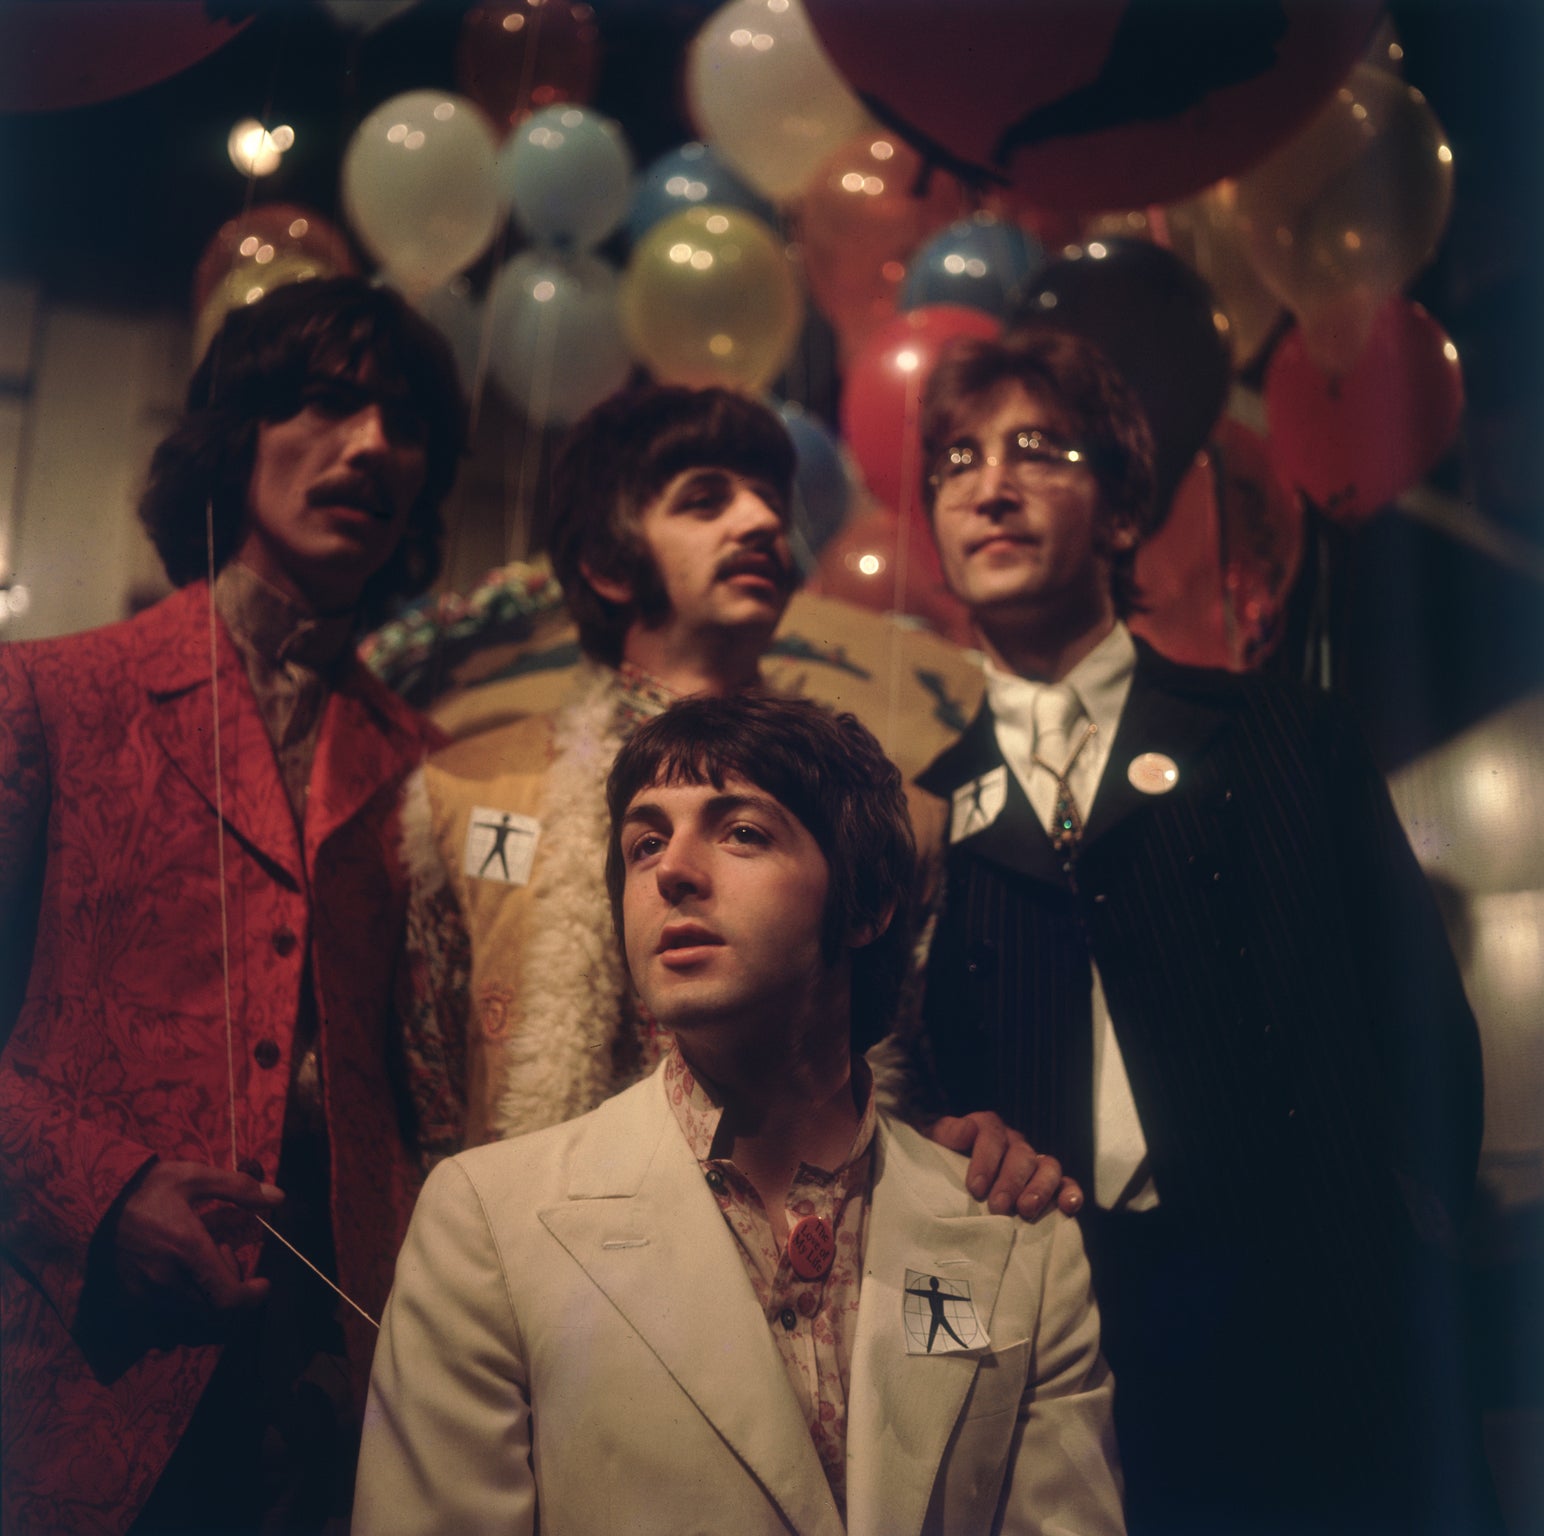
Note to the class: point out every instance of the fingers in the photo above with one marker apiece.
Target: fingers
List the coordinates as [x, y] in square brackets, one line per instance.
[164, 1249]
[1069, 1197]
[200, 1182]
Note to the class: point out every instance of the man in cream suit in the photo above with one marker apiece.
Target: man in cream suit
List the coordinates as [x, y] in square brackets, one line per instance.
[736, 1297]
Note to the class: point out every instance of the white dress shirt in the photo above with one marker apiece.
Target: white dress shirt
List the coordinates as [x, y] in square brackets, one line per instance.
[1102, 680]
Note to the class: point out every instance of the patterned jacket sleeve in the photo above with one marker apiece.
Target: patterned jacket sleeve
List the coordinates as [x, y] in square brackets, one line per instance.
[24, 792]
[59, 1174]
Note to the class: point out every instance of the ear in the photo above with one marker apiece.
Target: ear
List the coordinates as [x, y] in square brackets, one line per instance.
[608, 587]
[861, 935]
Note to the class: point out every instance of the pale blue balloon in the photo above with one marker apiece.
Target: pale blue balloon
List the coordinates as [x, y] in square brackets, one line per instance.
[982, 262]
[689, 176]
[557, 344]
[566, 173]
[822, 486]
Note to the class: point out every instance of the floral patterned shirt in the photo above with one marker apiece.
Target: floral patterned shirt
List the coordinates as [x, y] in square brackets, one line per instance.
[813, 1322]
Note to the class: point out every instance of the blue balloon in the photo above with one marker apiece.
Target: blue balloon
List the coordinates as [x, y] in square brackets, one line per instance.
[981, 262]
[822, 488]
[687, 177]
[567, 174]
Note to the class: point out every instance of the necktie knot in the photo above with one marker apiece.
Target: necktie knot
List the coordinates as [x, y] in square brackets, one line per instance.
[1057, 711]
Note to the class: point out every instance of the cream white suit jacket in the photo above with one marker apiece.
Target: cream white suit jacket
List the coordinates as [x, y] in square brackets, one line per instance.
[572, 1343]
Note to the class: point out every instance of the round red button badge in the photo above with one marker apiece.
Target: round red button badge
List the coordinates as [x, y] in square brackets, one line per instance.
[811, 1247]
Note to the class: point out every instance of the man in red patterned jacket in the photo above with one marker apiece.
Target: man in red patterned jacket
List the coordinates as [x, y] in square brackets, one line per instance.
[196, 815]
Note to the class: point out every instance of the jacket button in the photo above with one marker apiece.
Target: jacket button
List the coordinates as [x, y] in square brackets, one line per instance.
[266, 1054]
[284, 941]
[715, 1181]
[789, 1319]
[252, 1168]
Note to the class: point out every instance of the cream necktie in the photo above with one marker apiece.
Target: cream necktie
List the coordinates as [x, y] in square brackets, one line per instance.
[1058, 741]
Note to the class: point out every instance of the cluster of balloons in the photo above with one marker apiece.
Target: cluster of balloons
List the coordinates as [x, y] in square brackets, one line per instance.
[1273, 199]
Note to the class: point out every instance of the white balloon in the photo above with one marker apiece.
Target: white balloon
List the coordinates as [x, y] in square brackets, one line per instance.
[557, 339]
[765, 94]
[420, 186]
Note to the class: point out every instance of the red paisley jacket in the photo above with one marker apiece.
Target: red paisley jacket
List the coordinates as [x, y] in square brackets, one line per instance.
[119, 1050]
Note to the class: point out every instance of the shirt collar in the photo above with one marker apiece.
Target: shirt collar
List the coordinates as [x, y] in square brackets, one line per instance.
[1102, 679]
[698, 1114]
[275, 628]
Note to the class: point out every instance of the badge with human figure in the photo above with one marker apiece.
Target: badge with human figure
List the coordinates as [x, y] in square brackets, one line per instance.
[939, 1316]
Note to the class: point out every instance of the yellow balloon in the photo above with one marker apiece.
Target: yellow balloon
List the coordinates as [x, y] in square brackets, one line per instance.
[1205, 232]
[1355, 202]
[246, 284]
[710, 298]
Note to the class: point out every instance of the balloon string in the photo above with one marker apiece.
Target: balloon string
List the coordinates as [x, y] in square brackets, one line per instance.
[331, 1285]
[219, 834]
[910, 449]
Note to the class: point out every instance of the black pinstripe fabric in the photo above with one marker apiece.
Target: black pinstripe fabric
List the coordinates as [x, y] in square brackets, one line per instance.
[1299, 1048]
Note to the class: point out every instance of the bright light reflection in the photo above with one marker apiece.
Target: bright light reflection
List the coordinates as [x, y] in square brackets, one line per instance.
[870, 565]
[882, 149]
[701, 260]
[543, 291]
[444, 111]
[721, 345]
[716, 224]
[907, 361]
[18, 600]
[252, 149]
[680, 251]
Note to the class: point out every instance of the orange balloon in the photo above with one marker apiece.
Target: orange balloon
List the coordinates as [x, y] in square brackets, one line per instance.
[516, 56]
[868, 208]
[266, 233]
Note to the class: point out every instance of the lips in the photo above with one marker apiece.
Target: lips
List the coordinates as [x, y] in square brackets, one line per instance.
[687, 936]
[683, 946]
[1001, 539]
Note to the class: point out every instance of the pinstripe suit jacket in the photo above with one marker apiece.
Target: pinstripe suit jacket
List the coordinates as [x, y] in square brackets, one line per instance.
[1307, 1073]
[1286, 1003]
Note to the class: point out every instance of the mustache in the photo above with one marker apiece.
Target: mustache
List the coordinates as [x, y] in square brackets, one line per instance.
[769, 560]
[356, 488]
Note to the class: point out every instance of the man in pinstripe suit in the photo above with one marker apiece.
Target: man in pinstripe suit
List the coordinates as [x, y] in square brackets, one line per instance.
[1184, 943]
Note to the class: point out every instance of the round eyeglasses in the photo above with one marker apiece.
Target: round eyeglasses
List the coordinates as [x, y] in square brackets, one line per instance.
[1030, 456]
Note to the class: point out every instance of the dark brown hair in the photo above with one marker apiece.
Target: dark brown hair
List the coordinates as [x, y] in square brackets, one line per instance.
[256, 370]
[616, 461]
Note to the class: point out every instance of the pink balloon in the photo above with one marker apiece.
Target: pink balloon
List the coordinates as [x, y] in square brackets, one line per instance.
[879, 411]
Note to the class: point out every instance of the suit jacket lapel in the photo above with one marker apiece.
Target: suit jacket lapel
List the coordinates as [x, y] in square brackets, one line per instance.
[902, 1409]
[1014, 838]
[174, 666]
[1158, 717]
[645, 1229]
[366, 741]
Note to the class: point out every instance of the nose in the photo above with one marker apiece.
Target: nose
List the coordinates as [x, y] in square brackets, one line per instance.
[753, 517]
[994, 484]
[681, 871]
[366, 433]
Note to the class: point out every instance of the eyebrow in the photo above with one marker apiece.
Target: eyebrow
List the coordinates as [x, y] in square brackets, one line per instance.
[718, 808]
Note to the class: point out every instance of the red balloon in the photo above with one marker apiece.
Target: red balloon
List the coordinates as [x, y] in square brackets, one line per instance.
[867, 210]
[92, 50]
[1352, 442]
[281, 230]
[884, 383]
[516, 56]
[1094, 106]
[1216, 576]
[867, 566]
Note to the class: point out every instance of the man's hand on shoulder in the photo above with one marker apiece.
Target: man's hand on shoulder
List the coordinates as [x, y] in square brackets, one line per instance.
[1005, 1170]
